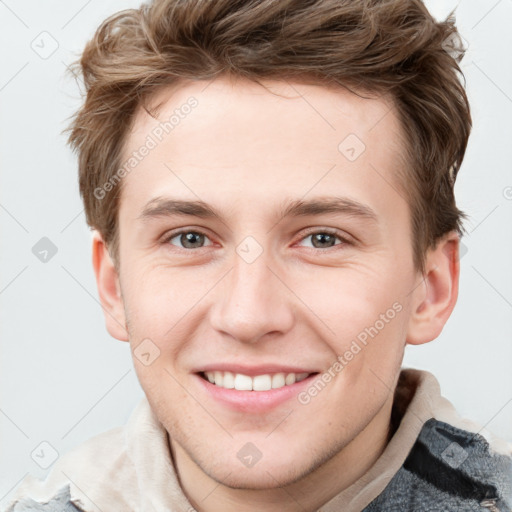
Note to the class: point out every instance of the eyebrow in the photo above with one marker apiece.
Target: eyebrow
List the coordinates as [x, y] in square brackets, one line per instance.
[168, 207]
[331, 204]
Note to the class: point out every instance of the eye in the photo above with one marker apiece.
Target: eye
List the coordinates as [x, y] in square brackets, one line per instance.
[188, 238]
[191, 239]
[325, 238]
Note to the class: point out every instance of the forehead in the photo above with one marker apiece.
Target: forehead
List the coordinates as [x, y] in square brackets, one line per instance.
[241, 103]
[254, 146]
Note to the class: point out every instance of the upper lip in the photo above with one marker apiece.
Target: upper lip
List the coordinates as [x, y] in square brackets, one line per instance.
[254, 370]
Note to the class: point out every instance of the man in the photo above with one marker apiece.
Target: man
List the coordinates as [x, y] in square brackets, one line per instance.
[271, 189]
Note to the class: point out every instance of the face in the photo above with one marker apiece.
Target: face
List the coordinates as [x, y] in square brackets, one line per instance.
[264, 243]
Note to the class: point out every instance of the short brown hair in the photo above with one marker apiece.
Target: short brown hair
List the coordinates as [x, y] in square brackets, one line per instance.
[392, 47]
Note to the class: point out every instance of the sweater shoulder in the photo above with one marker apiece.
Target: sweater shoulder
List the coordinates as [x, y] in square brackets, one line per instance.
[93, 464]
[450, 468]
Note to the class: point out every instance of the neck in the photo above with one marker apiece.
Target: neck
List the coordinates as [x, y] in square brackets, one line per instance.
[309, 493]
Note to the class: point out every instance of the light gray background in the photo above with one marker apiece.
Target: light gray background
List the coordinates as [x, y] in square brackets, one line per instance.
[64, 379]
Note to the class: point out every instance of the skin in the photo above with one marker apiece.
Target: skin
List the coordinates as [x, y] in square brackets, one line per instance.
[247, 153]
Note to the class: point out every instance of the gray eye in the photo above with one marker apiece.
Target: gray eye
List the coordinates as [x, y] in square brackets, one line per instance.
[190, 239]
[322, 239]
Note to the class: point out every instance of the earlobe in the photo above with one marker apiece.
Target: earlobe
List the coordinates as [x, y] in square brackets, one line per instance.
[107, 281]
[436, 296]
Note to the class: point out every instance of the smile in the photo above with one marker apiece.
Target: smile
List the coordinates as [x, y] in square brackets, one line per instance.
[264, 382]
[257, 393]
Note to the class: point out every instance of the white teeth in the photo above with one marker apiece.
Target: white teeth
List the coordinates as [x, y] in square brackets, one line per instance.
[229, 380]
[289, 379]
[243, 382]
[278, 380]
[262, 383]
[219, 377]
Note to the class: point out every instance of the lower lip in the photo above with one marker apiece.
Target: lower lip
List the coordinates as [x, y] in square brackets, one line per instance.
[254, 401]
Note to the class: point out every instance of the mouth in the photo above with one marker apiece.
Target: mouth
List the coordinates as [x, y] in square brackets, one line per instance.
[257, 393]
[263, 382]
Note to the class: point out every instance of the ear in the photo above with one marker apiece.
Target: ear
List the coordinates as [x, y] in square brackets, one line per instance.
[109, 290]
[436, 296]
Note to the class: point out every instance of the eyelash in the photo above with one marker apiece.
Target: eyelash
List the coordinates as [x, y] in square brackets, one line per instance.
[328, 231]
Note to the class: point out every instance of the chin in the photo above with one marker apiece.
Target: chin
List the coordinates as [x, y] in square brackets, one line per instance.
[265, 477]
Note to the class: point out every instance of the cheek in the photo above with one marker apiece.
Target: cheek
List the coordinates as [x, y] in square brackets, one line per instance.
[351, 303]
[158, 298]
[366, 319]
[163, 309]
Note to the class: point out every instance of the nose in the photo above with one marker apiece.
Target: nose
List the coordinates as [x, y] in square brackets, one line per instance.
[252, 301]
